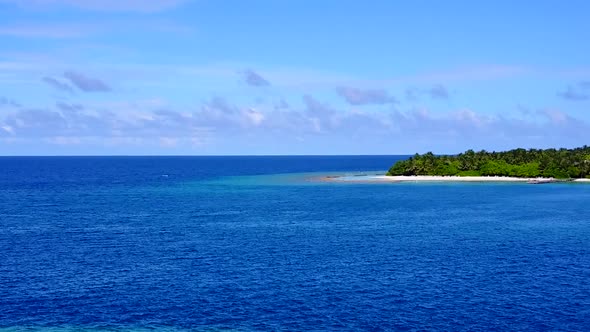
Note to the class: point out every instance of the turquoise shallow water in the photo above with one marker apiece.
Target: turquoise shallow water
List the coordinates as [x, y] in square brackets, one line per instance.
[173, 243]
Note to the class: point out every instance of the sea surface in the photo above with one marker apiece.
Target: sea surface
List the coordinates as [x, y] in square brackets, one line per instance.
[258, 244]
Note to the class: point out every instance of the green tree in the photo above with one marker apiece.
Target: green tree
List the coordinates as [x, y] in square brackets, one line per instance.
[562, 163]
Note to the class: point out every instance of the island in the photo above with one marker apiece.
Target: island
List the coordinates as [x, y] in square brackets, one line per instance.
[532, 164]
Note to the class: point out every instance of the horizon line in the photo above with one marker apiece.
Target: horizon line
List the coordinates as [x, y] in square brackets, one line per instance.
[208, 155]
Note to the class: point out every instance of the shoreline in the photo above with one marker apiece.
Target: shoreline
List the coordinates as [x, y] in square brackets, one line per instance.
[437, 178]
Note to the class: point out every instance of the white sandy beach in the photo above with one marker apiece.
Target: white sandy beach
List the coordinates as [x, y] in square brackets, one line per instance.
[434, 178]
[420, 178]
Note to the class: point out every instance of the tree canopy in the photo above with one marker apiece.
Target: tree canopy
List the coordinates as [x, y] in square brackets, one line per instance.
[555, 163]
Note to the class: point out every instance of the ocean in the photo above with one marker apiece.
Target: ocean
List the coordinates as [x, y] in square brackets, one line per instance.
[254, 244]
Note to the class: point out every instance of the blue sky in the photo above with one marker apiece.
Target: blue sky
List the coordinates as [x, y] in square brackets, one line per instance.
[210, 77]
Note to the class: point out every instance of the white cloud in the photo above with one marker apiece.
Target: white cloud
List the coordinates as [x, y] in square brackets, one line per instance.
[358, 96]
[577, 92]
[86, 83]
[7, 129]
[255, 116]
[316, 123]
[252, 78]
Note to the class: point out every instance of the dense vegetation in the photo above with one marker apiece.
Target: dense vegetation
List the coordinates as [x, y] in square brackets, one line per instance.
[561, 164]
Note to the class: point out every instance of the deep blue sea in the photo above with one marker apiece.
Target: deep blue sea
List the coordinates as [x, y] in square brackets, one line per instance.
[251, 244]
